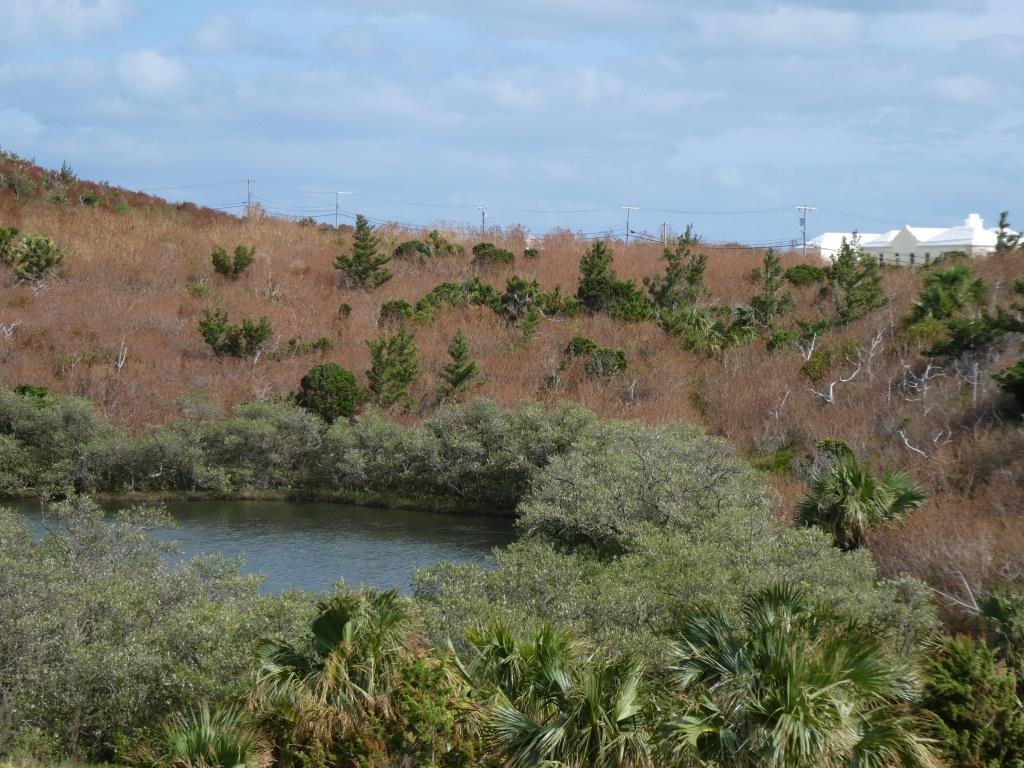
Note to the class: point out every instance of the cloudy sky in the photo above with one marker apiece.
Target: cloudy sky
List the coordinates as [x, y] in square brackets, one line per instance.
[879, 112]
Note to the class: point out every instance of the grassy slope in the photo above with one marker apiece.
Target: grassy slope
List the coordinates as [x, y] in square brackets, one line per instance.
[125, 274]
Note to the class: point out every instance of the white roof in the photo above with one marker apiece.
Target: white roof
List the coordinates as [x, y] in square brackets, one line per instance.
[972, 233]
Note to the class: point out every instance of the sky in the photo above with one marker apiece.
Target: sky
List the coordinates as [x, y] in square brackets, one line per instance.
[723, 113]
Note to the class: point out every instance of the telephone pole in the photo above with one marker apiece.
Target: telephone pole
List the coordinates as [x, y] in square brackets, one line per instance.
[337, 205]
[628, 209]
[664, 234]
[248, 195]
[804, 210]
[483, 218]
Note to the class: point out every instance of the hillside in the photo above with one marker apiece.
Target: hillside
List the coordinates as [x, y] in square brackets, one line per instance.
[137, 277]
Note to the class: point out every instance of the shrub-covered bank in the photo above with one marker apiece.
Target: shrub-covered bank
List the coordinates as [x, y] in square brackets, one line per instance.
[473, 456]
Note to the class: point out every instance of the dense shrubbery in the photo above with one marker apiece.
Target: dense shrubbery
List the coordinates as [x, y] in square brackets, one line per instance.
[100, 638]
[329, 391]
[631, 528]
[475, 453]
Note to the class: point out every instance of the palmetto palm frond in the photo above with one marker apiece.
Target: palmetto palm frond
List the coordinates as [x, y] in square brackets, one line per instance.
[208, 738]
[800, 687]
[847, 500]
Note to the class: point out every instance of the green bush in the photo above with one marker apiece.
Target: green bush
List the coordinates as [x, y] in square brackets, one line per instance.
[486, 254]
[631, 528]
[329, 391]
[232, 267]
[345, 310]
[461, 371]
[364, 266]
[413, 249]
[394, 311]
[531, 253]
[805, 274]
[7, 244]
[35, 256]
[224, 338]
[855, 282]
[980, 723]
[101, 638]
[600, 361]
[1011, 381]
[394, 366]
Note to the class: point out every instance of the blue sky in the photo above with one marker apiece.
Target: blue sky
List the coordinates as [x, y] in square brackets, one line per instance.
[879, 113]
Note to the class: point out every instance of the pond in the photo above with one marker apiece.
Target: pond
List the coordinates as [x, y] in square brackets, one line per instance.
[313, 545]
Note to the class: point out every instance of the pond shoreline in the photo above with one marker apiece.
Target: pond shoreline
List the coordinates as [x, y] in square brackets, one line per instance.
[444, 505]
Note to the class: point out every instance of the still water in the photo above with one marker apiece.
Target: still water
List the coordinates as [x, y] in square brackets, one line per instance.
[313, 545]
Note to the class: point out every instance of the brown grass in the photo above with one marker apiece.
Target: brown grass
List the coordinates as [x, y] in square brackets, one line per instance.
[124, 280]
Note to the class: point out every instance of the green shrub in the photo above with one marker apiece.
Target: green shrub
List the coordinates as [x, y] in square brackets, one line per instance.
[7, 244]
[805, 274]
[232, 267]
[224, 338]
[329, 391]
[90, 199]
[394, 311]
[461, 371]
[101, 638]
[632, 528]
[856, 284]
[345, 310]
[296, 347]
[35, 256]
[531, 253]
[1011, 381]
[197, 287]
[205, 738]
[980, 723]
[394, 366]
[817, 366]
[364, 267]
[601, 291]
[413, 249]
[599, 360]
[485, 254]
[781, 340]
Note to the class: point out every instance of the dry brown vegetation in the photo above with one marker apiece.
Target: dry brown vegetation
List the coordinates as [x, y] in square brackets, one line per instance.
[124, 282]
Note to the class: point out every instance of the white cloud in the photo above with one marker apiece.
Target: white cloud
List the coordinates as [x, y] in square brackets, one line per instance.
[966, 89]
[784, 28]
[18, 127]
[216, 34]
[151, 73]
[73, 19]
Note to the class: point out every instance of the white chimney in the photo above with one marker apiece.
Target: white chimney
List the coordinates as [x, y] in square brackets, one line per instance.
[974, 221]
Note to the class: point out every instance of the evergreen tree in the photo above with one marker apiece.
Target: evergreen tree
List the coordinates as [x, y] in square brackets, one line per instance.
[856, 283]
[683, 282]
[972, 694]
[1006, 241]
[232, 268]
[462, 370]
[770, 303]
[365, 267]
[597, 278]
[394, 366]
[329, 391]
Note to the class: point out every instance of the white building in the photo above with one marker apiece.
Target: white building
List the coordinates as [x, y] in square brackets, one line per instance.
[914, 245]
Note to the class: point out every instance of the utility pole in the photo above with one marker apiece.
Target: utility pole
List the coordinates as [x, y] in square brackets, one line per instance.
[483, 218]
[248, 195]
[628, 209]
[337, 205]
[664, 234]
[804, 210]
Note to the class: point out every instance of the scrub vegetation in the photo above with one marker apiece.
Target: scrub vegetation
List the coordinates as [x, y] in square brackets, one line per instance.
[768, 510]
